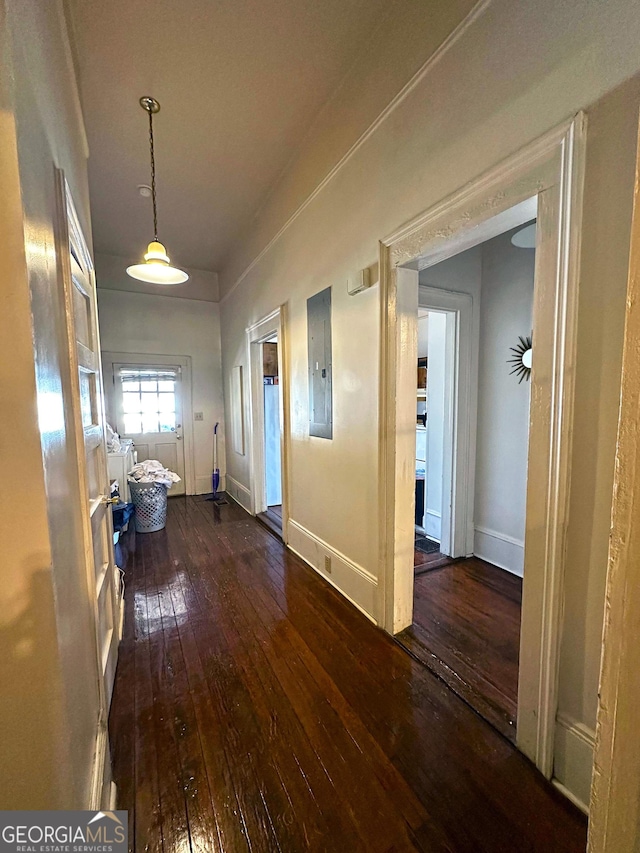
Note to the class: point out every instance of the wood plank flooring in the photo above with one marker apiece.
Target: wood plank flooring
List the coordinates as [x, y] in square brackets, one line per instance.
[466, 629]
[272, 518]
[425, 562]
[256, 710]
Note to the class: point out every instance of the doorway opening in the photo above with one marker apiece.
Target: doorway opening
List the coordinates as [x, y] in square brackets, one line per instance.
[468, 574]
[271, 405]
[268, 434]
[436, 336]
[542, 181]
[146, 397]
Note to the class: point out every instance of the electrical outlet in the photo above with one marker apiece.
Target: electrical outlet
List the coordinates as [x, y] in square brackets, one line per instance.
[327, 564]
[198, 416]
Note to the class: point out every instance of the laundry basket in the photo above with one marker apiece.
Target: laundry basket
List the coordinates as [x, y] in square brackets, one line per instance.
[150, 501]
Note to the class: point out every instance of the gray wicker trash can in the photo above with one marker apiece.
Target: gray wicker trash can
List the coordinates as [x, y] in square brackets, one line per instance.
[150, 501]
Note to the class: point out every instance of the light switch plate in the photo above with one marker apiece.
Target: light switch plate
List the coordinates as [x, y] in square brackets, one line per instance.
[198, 416]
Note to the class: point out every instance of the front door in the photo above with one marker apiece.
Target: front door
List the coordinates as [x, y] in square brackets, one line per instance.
[148, 409]
[103, 577]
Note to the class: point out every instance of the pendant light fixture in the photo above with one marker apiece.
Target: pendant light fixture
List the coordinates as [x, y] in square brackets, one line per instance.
[156, 269]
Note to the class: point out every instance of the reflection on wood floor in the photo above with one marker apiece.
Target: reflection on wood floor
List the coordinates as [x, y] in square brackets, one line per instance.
[424, 562]
[255, 709]
[466, 629]
[272, 518]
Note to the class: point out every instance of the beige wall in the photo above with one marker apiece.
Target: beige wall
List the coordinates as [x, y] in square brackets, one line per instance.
[506, 313]
[166, 325]
[516, 72]
[48, 700]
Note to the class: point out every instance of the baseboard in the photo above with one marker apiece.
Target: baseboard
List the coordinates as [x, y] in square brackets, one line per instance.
[433, 524]
[354, 582]
[238, 492]
[573, 760]
[501, 550]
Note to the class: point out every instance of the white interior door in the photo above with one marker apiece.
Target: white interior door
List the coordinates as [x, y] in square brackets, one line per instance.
[87, 405]
[149, 410]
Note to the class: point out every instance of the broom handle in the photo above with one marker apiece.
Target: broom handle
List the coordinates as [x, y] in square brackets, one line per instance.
[215, 446]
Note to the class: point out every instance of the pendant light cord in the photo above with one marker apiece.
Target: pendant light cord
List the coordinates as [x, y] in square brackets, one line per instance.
[153, 175]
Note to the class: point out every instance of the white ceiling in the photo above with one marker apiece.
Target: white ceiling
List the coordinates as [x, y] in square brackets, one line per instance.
[239, 83]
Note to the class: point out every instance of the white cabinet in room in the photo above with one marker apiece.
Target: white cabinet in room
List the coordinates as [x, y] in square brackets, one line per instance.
[119, 463]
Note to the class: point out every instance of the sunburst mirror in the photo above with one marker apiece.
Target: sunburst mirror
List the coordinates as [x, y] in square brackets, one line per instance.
[521, 359]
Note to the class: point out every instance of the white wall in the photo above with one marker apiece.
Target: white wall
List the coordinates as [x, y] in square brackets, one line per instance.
[423, 350]
[324, 221]
[436, 352]
[499, 277]
[169, 325]
[462, 274]
[423, 336]
[502, 440]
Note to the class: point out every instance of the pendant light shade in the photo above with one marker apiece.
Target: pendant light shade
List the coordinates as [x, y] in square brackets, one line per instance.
[156, 268]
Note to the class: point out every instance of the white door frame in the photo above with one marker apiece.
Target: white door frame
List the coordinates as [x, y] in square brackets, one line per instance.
[183, 361]
[68, 233]
[274, 324]
[460, 414]
[551, 168]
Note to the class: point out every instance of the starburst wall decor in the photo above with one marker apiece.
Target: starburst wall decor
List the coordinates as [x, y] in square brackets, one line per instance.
[521, 359]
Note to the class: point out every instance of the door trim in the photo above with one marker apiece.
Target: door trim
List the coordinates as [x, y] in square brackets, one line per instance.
[67, 228]
[183, 361]
[615, 810]
[551, 168]
[273, 324]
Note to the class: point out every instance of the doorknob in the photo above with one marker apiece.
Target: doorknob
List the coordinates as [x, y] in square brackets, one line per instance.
[178, 437]
[106, 500]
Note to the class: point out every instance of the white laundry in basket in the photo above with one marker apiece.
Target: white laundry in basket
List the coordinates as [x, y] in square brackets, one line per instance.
[152, 471]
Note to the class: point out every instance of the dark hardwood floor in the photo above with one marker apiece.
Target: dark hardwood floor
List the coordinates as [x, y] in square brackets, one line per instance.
[272, 518]
[276, 509]
[256, 710]
[423, 562]
[466, 629]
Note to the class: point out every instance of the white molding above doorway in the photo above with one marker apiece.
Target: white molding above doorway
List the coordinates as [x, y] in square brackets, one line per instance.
[549, 171]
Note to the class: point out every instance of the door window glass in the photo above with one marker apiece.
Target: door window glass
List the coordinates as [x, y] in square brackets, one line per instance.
[148, 399]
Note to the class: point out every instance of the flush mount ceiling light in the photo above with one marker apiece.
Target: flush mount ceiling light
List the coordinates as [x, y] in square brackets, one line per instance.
[156, 269]
[525, 238]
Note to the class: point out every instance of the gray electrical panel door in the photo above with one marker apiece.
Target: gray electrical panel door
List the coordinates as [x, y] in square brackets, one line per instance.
[320, 385]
